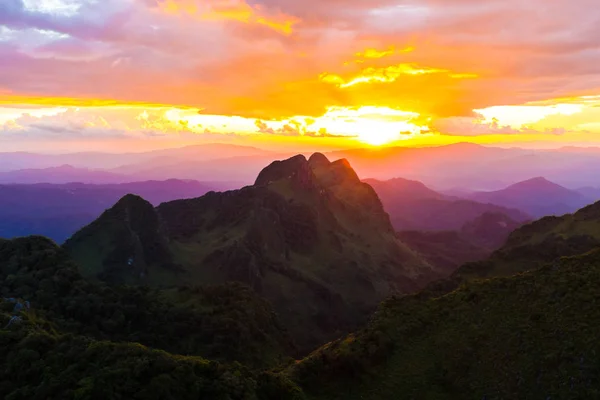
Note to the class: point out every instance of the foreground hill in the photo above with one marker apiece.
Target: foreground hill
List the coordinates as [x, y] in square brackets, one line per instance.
[530, 336]
[226, 322]
[58, 211]
[308, 235]
[538, 197]
[413, 206]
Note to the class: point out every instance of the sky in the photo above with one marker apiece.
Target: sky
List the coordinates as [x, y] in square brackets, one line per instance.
[127, 75]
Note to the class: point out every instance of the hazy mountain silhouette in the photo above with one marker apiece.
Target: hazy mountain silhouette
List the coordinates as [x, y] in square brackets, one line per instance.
[538, 197]
[414, 206]
[98, 160]
[61, 174]
[464, 165]
[58, 211]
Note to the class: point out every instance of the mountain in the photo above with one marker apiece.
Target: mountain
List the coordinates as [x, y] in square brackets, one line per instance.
[308, 235]
[414, 206]
[538, 197]
[60, 174]
[530, 336]
[58, 211]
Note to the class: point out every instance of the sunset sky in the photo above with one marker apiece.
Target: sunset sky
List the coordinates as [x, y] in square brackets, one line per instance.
[127, 75]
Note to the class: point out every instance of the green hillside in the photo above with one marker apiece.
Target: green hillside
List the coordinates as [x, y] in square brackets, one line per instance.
[531, 246]
[226, 322]
[37, 362]
[309, 236]
[530, 336]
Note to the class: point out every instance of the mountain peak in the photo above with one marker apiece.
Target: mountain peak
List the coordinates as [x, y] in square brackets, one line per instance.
[132, 238]
[295, 168]
[318, 160]
[339, 171]
[132, 201]
[537, 181]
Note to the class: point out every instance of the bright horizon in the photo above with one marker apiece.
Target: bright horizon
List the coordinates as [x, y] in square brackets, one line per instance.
[138, 75]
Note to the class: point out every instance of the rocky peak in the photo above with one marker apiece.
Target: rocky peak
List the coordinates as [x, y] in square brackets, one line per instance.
[338, 172]
[295, 169]
[318, 160]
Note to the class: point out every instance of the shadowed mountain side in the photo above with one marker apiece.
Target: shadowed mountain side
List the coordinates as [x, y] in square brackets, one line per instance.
[413, 206]
[309, 236]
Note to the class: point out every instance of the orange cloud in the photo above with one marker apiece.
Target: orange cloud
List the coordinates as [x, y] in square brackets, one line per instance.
[231, 10]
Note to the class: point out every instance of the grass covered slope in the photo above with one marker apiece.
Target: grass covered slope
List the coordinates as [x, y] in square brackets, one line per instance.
[124, 245]
[309, 236]
[530, 336]
[226, 322]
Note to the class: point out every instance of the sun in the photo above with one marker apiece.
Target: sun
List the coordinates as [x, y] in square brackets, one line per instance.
[372, 125]
[377, 133]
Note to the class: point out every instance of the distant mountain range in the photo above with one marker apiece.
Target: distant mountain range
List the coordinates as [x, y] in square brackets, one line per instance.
[58, 211]
[538, 197]
[463, 165]
[107, 161]
[61, 174]
[414, 206]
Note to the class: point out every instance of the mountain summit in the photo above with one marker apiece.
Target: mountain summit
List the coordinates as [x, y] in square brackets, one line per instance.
[537, 196]
[308, 235]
